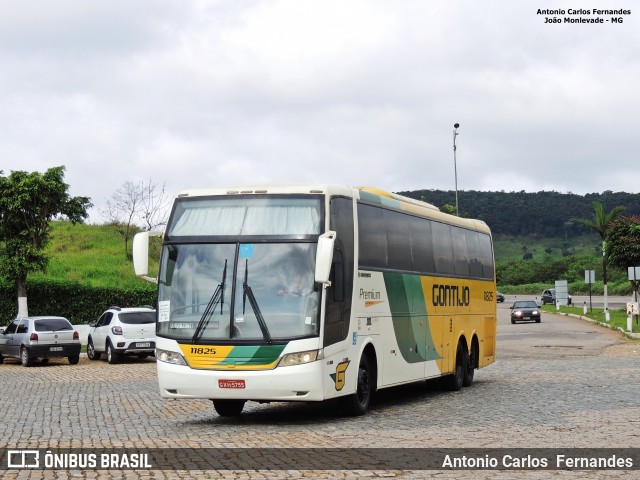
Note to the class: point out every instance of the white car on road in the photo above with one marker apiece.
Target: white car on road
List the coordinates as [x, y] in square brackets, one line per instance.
[123, 331]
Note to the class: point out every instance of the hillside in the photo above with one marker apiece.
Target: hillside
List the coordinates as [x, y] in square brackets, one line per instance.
[530, 215]
[92, 255]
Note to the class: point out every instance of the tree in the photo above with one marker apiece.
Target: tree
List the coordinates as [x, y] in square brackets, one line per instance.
[28, 202]
[448, 208]
[600, 223]
[623, 242]
[137, 205]
[526, 254]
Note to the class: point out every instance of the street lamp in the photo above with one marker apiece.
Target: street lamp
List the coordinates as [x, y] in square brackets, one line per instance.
[455, 168]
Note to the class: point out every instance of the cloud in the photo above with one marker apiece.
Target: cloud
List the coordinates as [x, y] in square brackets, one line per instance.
[199, 93]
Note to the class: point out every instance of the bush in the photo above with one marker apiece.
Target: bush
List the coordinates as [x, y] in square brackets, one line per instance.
[79, 303]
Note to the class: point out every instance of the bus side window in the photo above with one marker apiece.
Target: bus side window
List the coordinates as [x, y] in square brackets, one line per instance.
[337, 276]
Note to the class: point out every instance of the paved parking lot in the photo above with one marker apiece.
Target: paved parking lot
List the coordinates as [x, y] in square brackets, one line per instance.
[561, 383]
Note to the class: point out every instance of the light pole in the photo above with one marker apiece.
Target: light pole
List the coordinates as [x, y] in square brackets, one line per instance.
[455, 167]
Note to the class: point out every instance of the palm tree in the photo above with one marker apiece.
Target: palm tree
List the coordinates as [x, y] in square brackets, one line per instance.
[600, 223]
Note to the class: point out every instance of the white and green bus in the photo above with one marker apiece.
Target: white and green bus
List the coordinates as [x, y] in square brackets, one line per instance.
[314, 292]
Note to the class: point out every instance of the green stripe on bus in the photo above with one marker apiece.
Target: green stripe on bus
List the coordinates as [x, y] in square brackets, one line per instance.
[253, 355]
[409, 317]
[379, 200]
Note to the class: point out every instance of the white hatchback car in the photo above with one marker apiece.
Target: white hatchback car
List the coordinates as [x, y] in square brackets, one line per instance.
[123, 331]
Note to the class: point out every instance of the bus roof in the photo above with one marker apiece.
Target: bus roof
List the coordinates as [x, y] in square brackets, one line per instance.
[372, 195]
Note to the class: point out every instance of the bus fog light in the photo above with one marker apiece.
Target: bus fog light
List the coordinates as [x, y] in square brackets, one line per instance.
[299, 358]
[173, 358]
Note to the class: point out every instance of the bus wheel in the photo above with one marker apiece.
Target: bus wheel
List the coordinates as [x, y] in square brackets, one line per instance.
[358, 403]
[228, 408]
[455, 381]
[471, 367]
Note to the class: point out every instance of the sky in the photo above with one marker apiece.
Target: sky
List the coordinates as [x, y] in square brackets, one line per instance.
[195, 94]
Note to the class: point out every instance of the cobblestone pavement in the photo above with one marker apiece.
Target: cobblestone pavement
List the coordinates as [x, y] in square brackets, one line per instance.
[542, 392]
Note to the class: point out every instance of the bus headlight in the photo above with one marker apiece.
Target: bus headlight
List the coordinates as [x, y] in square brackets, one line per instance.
[300, 358]
[170, 357]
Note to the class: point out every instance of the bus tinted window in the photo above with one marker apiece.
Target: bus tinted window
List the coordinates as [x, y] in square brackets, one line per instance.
[442, 248]
[421, 245]
[475, 256]
[373, 238]
[460, 253]
[486, 256]
[398, 240]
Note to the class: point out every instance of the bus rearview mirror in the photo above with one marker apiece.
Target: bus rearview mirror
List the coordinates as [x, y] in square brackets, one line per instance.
[324, 257]
[141, 253]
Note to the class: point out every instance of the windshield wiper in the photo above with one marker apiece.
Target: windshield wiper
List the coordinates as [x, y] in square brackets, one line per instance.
[247, 292]
[218, 296]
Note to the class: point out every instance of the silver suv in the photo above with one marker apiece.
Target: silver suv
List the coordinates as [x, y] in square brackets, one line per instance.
[31, 338]
[123, 331]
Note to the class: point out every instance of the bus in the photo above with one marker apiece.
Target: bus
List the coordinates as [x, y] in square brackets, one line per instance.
[315, 292]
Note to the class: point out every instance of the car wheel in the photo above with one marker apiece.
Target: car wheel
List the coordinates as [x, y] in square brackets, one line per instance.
[537, 320]
[228, 408]
[91, 351]
[1, 359]
[112, 356]
[513, 321]
[358, 403]
[454, 382]
[74, 359]
[25, 358]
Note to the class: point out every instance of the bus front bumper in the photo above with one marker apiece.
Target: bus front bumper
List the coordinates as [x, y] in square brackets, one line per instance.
[292, 383]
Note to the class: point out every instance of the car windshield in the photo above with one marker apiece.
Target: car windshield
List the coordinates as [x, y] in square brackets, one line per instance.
[528, 304]
[52, 325]
[273, 295]
[137, 318]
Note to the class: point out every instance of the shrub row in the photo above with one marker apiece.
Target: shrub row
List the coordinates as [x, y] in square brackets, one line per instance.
[79, 303]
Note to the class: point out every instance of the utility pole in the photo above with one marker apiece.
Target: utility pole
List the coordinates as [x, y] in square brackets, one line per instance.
[455, 167]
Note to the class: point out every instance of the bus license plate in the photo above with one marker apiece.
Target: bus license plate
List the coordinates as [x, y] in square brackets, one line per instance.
[231, 384]
[55, 349]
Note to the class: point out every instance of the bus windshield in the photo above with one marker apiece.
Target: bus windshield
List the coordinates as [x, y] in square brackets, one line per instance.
[273, 296]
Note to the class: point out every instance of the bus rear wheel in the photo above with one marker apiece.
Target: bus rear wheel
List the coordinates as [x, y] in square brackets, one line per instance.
[455, 381]
[228, 408]
[358, 403]
[469, 372]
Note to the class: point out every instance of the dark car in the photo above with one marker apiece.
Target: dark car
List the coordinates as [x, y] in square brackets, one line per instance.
[549, 297]
[30, 338]
[499, 297]
[525, 311]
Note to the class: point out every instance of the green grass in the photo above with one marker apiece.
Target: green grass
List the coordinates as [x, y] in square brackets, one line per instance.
[618, 317]
[91, 255]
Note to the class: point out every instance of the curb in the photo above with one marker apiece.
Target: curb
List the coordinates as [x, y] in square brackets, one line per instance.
[629, 335]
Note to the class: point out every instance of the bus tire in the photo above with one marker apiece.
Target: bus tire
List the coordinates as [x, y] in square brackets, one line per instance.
[472, 358]
[455, 381]
[357, 403]
[228, 408]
